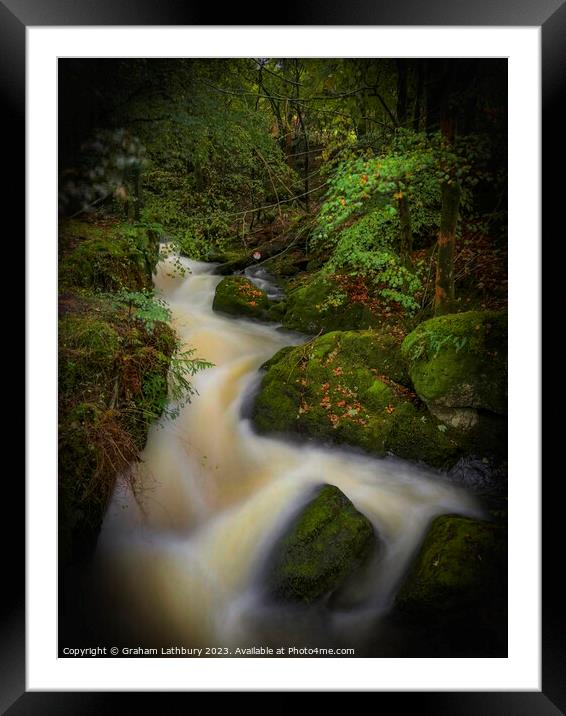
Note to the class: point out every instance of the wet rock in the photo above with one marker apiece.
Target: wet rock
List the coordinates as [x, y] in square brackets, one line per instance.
[324, 545]
[479, 475]
[460, 567]
[237, 295]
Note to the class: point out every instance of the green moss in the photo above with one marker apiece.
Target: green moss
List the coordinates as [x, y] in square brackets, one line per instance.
[418, 436]
[325, 544]
[377, 350]
[90, 346]
[109, 258]
[164, 339]
[277, 310]
[320, 306]
[461, 563]
[338, 388]
[460, 360]
[238, 296]
[379, 395]
[72, 231]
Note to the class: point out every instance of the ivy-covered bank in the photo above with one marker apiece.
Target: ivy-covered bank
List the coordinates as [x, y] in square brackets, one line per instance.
[117, 359]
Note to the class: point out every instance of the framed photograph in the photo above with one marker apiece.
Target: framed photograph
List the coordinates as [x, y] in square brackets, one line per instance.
[283, 290]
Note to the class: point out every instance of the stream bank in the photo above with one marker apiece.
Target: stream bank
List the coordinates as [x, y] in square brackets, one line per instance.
[114, 361]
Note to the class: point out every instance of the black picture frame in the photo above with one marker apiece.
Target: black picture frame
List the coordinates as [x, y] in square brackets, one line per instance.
[15, 16]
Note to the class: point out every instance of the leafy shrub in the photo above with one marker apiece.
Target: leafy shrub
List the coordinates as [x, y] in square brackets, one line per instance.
[366, 248]
[360, 217]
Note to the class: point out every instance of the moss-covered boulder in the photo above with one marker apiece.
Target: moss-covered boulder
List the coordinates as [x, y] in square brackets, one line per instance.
[352, 388]
[238, 296]
[461, 565]
[327, 541]
[458, 365]
[321, 305]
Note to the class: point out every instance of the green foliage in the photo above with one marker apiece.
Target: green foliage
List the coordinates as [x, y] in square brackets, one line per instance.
[176, 267]
[413, 165]
[360, 216]
[166, 394]
[361, 183]
[89, 346]
[201, 234]
[335, 299]
[365, 248]
[210, 153]
[183, 366]
[434, 342]
[143, 306]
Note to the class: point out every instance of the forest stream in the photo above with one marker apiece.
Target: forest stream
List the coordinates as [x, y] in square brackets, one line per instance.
[181, 562]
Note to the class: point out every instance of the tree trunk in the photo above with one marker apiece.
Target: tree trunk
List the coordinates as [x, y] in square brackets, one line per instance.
[306, 163]
[259, 85]
[403, 205]
[444, 289]
[262, 89]
[137, 194]
[418, 96]
[444, 285]
[436, 78]
[401, 92]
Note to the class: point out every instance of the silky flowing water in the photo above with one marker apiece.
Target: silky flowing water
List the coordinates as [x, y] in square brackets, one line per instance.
[181, 563]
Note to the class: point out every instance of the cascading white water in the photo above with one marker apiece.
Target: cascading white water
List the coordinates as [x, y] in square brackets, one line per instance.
[184, 559]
